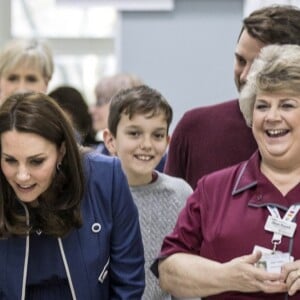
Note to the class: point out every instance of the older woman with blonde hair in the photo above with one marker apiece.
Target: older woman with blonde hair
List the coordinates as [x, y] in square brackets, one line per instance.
[25, 65]
[246, 216]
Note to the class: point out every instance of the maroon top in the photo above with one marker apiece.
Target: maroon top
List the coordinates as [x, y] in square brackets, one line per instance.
[224, 218]
[207, 139]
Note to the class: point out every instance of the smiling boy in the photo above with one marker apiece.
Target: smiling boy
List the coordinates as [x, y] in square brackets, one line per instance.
[137, 133]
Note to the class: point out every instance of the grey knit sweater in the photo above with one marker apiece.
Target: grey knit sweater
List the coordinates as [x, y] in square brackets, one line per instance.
[159, 204]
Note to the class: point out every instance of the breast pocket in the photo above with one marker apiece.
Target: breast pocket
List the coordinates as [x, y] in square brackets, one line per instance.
[104, 272]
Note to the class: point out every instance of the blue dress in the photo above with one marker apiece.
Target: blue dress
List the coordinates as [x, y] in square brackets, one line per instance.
[46, 277]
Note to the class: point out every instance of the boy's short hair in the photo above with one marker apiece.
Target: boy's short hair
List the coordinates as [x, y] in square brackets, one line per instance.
[137, 100]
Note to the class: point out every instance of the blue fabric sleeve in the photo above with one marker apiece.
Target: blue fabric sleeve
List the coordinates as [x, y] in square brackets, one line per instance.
[127, 254]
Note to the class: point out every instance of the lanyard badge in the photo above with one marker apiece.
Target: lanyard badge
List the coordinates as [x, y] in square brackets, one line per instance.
[281, 226]
[272, 260]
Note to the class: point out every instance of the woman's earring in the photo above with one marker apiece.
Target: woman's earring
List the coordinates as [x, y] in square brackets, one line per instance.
[58, 166]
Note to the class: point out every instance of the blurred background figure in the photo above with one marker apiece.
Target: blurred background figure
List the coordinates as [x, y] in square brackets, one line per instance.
[76, 108]
[25, 65]
[105, 89]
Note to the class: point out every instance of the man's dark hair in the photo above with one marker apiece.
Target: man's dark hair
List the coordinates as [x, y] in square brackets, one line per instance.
[276, 24]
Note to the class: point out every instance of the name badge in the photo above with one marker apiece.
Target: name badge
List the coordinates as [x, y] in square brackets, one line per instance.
[273, 262]
[280, 226]
[270, 261]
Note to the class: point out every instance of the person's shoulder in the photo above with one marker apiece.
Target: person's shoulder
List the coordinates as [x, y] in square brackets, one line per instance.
[104, 173]
[204, 114]
[173, 182]
[96, 162]
[97, 157]
[218, 107]
[171, 179]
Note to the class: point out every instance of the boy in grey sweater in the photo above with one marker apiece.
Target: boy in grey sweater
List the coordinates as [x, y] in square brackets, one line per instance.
[138, 125]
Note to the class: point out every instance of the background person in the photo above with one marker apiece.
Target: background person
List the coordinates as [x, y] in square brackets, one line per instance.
[69, 228]
[209, 251]
[138, 122]
[213, 137]
[105, 89]
[74, 104]
[25, 65]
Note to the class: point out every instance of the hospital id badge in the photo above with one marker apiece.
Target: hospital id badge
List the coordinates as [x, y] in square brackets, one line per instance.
[272, 261]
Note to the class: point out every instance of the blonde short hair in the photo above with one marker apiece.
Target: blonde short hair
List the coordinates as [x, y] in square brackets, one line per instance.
[31, 53]
[276, 69]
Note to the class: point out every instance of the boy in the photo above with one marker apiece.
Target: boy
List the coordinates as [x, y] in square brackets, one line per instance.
[138, 124]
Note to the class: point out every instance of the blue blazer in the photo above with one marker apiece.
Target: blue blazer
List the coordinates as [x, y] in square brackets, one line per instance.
[105, 256]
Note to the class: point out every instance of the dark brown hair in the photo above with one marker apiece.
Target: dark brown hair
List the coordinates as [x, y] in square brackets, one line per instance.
[59, 207]
[138, 100]
[73, 103]
[275, 24]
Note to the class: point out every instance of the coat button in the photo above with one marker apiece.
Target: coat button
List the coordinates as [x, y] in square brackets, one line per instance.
[96, 227]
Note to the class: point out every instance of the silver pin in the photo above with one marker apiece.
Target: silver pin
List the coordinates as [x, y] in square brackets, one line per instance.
[96, 227]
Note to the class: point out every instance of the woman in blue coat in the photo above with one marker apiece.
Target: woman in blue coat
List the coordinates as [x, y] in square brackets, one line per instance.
[69, 228]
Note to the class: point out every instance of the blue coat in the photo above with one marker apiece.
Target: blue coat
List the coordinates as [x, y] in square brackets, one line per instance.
[105, 256]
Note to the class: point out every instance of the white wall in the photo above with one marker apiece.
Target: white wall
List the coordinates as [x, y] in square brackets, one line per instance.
[187, 54]
[5, 21]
